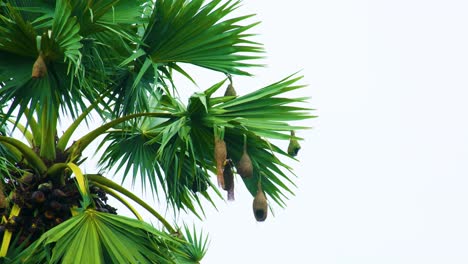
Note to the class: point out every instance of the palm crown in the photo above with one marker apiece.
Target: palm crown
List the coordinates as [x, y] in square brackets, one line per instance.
[115, 60]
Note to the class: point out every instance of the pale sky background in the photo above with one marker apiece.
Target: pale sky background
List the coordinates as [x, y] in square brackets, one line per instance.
[382, 176]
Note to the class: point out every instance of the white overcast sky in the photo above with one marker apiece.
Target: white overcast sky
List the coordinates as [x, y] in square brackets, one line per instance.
[382, 176]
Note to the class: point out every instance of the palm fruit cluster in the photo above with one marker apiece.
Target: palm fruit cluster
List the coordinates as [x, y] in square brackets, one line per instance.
[44, 204]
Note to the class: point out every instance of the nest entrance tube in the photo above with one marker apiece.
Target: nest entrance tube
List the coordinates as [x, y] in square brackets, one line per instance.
[260, 215]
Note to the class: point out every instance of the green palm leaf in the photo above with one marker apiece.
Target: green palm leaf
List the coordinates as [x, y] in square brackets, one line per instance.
[95, 237]
[130, 149]
[174, 152]
[196, 247]
[190, 32]
[156, 157]
[247, 115]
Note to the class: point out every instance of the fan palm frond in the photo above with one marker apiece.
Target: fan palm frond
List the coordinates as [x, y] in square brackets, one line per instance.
[198, 33]
[95, 237]
[196, 247]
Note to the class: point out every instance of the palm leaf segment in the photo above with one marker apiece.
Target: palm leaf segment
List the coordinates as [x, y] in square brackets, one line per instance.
[187, 31]
[97, 237]
[178, 152]
[58, 44]
[88, 46]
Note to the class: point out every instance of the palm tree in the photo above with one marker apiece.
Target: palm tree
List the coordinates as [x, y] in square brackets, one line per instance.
[114, 60]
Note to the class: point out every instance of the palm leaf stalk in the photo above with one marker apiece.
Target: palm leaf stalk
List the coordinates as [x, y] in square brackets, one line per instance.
[114, 61]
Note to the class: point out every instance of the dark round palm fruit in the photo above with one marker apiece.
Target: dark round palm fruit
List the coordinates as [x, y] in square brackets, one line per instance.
[39, 69]
[260, 205]
[54, 205]
[244, 166]
[58, 193]
[228, 176]
[293, 147]
[38, 197]
[49, 214]
[220, 157]
[230, 91]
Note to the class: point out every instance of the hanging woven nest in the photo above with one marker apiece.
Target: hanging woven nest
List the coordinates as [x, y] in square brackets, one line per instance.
[39, 69]
[229, 179]
[220, 158]
[260, 205]
[230, 91]
[245, 167]
[294, 146]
